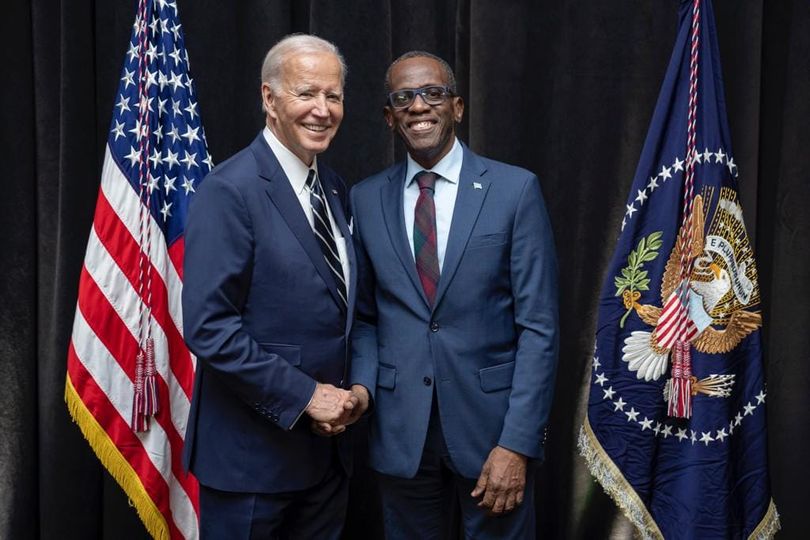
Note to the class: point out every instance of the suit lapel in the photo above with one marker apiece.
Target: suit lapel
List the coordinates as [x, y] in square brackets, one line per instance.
[472, 190]
[391, 198]
[283, 197]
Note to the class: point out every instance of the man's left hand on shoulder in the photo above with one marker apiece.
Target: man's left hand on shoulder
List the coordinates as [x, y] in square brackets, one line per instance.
[502, 481]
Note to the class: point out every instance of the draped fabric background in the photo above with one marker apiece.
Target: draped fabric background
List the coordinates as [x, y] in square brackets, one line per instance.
[565, 88]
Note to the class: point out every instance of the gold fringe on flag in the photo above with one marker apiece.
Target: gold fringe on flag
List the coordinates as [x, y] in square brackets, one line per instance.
[616, 485]
[116, 464]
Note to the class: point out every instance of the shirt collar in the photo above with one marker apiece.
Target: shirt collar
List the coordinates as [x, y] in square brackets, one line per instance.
[295, 169]
[449, 167]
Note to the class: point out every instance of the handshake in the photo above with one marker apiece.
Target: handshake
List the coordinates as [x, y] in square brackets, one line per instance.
[332, 409]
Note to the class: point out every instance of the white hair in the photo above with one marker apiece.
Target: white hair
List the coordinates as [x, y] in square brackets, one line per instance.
[273, 64]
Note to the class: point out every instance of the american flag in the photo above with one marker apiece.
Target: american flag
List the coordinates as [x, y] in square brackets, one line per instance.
[130, 375]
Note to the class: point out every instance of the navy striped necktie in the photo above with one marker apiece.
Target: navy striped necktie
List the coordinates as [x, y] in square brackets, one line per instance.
[425, 246]
[323, 232]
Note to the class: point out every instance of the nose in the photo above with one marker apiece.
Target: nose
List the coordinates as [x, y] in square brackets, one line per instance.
[321, 106]
[419, 103]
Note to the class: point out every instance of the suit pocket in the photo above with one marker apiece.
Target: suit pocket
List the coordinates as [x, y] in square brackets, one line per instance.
[485, 240]
[290, 353]
[386, 377]
[498, 377]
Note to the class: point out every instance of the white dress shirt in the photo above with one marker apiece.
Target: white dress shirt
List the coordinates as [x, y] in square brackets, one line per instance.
[297, 172]
[444, 196]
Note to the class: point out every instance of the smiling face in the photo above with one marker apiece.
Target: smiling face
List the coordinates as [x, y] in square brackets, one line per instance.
[428, 131]
[304, 113]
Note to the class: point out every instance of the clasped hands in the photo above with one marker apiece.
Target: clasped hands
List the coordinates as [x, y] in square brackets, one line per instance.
[332, 408]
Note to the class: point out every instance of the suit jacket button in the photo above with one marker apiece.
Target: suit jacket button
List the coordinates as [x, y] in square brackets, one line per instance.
[434, 326]
[427, 381]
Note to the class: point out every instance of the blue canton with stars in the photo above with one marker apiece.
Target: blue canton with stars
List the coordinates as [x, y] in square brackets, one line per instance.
[177, 155]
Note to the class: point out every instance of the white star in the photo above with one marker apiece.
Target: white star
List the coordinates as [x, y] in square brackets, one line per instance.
[657, 428]
[191, 134]
[171, 159]
[706, 438]
[162, 80]
[154, 25]
[137, 129]
[123, 103]
[118, 130]
[174, 134]
[760, 397]
[162, 107]
[721, 435]
[681, 434]
[646, 424]
[190, 85]
[133, 51]
[192, 109]
[151, 183]
[127, 78]
[144, 104]
[596, 363]
[188, 185]
[624, 222]
[653, 183]
[164, 26]
[151, 51]
[678, 164]
[209, 161]
[159, 133]
[173, 5]
[168, 184]
[749, 409]
[731, 166]
[151, 79]
[176, 30]
[175, 81]
[731, 427]
[630, 210]
[161, 4]
[176, 108]
[642, 196]
[155, 158]
[609, 393]
[719, 156]
[706, 156]
[667, 431]
[175, 54]
[619, 405]
[601, 379]
[697, 157]
[665, 173]
[631, 415]
[738, 419]
[165, 210]
[693, 437]
[190, 160]
[134, 157]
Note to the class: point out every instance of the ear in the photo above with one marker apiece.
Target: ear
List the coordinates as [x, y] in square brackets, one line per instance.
[388, 114]
[268, 100]
[458, 109]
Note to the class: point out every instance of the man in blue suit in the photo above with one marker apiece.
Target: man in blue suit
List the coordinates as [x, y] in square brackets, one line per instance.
[268, 298]
[455, 342]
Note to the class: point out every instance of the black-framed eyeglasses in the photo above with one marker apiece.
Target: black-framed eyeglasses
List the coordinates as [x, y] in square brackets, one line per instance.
[432, 95]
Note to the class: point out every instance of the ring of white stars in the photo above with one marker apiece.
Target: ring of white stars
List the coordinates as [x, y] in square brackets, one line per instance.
[678, 166]
[664, 430]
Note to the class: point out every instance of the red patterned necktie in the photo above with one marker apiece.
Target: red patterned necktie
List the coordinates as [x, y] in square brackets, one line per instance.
[424, 235]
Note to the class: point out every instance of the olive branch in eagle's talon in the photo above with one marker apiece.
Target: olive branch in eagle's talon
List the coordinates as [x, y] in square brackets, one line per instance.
[634, 278]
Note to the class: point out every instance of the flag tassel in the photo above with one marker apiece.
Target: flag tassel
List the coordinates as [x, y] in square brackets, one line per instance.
[139, 421]
[150, 380]
[680, 391]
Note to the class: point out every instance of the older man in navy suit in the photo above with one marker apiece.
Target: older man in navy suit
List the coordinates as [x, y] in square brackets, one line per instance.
[455, 342]
[268, 300]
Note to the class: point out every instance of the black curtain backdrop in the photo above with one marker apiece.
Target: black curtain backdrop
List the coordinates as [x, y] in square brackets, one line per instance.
[565, 88]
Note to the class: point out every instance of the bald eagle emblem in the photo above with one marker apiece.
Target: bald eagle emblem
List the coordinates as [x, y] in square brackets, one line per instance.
[723, 283]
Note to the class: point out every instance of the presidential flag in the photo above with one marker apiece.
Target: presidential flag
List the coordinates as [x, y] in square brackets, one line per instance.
[129, 374]
[675, 426]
